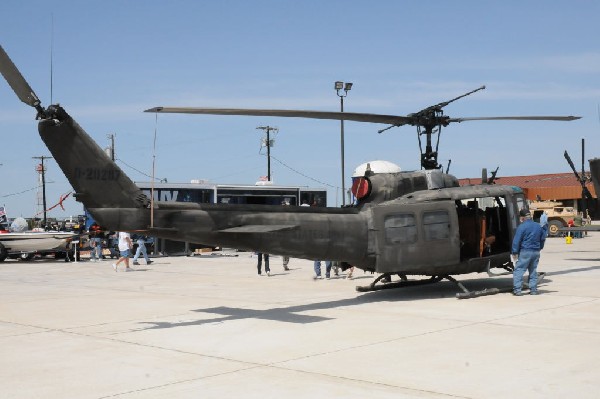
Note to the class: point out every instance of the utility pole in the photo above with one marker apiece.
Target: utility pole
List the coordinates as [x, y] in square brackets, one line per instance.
[111, 148]
[42, 170]
[268, 144]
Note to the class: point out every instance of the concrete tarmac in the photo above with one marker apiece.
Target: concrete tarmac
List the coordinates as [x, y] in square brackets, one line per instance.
[210, 327]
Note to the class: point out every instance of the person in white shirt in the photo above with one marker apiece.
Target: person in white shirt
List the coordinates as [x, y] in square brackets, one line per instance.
[125, 246]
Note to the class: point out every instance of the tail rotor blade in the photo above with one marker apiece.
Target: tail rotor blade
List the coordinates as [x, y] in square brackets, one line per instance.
[17, 81]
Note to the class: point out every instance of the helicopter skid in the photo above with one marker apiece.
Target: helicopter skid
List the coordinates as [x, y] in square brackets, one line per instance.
[465, 294]
[398, 284]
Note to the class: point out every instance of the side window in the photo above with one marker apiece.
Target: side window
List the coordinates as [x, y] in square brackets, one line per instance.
[400, 228]
[436, 225]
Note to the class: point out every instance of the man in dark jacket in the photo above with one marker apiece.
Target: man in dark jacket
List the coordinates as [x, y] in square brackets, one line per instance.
[528, 242]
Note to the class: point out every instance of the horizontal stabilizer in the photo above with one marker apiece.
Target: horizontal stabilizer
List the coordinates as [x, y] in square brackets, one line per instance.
[259, 228]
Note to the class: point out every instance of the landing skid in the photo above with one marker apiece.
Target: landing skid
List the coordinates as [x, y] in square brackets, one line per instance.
[465, 294]
[398, 284]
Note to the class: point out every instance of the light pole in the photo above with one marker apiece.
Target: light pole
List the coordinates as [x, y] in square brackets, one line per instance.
[346, 88]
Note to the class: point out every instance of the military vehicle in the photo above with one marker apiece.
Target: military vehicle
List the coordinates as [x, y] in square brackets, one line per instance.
[558, 214]
[404, 223]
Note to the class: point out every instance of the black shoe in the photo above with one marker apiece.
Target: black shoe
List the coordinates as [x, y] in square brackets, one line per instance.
[517, 293]
[150, 261]
[136, 263]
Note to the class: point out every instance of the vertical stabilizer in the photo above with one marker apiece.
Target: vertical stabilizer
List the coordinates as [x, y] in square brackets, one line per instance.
[97, 180]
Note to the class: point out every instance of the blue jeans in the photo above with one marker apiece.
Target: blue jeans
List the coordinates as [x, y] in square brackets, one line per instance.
[528, 260]
[317, 268]
[141, 250]
[97, 249]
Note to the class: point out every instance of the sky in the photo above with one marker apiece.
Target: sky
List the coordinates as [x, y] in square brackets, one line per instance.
[111, 60]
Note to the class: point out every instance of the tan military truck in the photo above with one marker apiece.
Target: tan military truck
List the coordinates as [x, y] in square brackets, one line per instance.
[558, 215]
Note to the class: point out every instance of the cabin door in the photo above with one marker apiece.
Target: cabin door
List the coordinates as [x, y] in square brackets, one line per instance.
[416, 237]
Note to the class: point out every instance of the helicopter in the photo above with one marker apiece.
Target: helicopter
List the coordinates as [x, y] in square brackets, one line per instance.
[417, 223]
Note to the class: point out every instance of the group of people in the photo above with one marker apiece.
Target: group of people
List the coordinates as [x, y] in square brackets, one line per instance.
[329, 266]
[124, 245]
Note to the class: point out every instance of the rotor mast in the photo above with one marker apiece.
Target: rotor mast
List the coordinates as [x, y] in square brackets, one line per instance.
[426, 121]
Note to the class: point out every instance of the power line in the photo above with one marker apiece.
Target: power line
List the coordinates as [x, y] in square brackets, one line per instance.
[139, 171]
[303, 175]
[21, 192]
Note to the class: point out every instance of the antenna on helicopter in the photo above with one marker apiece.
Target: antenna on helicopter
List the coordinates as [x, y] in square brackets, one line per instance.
[448, 166]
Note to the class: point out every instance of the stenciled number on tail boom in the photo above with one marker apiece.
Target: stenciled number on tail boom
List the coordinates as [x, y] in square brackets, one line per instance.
[97, 174]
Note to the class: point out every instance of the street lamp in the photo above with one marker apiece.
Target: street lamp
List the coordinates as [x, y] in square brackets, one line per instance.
[346, 87]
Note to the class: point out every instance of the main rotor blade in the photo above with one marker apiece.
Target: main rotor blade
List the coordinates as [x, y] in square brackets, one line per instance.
[517, 118]
[17, 81]
[572, 165]
[348, 116]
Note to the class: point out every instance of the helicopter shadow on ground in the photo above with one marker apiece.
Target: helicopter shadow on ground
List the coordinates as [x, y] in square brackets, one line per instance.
[578, 270]
[295, 314]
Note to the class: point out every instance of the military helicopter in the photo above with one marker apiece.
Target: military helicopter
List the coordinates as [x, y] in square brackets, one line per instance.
[417, 223]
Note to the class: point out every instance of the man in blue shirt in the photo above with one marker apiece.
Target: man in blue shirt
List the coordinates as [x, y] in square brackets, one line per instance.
[528, 242]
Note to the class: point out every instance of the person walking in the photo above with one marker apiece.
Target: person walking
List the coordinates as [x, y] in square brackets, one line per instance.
[259, 264]
[317, 267]
[286, 262]
[124, 249]
[286, 259]
[525, 252]
[96, 236]
[141, 250]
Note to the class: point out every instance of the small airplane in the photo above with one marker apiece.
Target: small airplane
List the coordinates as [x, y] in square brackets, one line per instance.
[416, 223]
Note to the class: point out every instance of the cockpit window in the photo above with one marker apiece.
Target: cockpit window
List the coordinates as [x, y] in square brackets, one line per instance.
[436, 225]
[400, 228]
